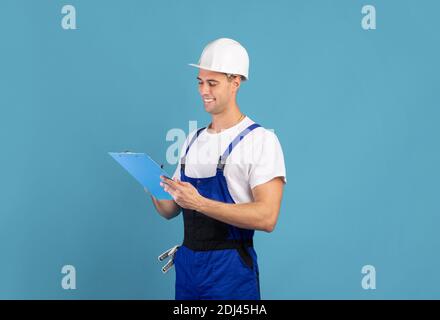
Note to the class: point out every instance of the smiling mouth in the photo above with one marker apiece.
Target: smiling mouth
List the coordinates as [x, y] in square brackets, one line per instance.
[208, 100]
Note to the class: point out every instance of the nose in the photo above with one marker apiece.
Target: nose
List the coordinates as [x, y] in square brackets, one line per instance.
[204, 89]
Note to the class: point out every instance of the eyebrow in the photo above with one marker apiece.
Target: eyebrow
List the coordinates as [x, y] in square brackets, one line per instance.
[208, 80]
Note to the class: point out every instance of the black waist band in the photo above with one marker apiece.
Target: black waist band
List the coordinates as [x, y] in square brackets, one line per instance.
[207, 245]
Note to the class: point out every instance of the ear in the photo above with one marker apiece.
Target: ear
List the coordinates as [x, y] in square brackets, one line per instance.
[236, 82]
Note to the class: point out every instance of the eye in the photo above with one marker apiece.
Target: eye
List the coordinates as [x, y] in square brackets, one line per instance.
[212, 84]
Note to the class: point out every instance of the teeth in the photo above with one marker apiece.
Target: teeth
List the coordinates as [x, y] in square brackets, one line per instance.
[208, 100]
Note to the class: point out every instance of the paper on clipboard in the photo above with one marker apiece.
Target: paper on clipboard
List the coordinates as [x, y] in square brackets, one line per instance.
[145, 170]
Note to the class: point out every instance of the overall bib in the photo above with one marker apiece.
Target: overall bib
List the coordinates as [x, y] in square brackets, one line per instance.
[216, 260]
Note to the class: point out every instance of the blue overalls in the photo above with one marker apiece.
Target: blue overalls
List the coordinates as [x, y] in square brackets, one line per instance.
[216, 260]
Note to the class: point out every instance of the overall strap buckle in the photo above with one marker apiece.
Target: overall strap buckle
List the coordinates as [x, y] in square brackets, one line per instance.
[182, 164]
[221, 163]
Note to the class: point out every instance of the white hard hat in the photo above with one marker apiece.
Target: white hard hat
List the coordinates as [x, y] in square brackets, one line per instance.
[226, 56]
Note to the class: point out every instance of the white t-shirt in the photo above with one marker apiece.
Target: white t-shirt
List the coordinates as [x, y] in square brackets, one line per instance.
[256, 159]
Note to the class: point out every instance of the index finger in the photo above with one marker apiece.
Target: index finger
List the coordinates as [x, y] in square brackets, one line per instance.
[170, 182]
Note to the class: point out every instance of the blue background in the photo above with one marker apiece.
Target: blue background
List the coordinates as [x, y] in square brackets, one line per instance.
[356, 112]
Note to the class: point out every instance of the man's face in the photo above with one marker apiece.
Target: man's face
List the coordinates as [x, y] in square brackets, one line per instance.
[216, 91]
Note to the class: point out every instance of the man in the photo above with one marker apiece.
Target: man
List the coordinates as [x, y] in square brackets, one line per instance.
[229, 182]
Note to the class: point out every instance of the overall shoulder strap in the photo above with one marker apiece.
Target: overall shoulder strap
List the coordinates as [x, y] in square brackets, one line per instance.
[194, 137]
[238, 138]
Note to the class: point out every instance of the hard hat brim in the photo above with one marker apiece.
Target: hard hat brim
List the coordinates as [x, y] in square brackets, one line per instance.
[210, 69]
[204, 68]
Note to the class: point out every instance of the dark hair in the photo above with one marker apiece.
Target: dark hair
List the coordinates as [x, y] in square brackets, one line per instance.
[231, 76]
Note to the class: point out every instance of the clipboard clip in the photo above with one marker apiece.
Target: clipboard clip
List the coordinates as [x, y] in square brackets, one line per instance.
[131, 152]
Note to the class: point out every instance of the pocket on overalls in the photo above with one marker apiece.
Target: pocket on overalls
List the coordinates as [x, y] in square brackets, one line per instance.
[245, 257]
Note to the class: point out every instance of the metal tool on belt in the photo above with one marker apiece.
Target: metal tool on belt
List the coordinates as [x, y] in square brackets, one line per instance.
[169, 253]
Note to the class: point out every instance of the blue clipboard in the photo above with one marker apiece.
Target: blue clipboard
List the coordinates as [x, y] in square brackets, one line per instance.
[145, 170]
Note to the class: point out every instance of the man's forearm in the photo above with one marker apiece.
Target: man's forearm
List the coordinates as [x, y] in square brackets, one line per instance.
[252, 215]
[166, 208]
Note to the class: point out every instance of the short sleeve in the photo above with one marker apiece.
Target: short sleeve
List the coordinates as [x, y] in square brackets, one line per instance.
[268, 160]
